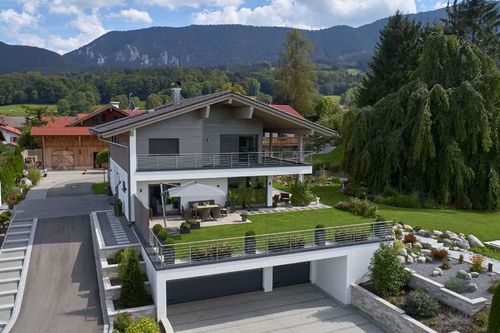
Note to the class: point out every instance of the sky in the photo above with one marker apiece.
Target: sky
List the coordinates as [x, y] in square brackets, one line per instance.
[65, 25]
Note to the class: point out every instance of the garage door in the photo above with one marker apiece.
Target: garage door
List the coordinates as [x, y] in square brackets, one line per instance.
[287, 275]
[186, 290]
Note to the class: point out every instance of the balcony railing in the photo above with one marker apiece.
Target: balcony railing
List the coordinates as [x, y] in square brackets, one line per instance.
[248, 247]
[148, 162]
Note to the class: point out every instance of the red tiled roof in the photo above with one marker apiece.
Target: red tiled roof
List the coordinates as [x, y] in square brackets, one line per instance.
[62, 131]
[287, 109]
[133, 112]
[10, 129]
[57, 121]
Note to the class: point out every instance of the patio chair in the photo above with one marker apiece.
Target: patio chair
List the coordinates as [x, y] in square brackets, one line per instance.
[187, 213]
[217, 213]
[205, 214]
[285, 197]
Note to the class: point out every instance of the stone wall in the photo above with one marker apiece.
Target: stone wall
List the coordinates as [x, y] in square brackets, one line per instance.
[390, 317]
[446, 296]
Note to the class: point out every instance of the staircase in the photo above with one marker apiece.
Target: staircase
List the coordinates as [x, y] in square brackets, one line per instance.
[15, 249]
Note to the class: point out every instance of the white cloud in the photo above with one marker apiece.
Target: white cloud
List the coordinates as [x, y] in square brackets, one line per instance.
[306, 14]
[174, 4]
[440, 4]
[134, 15]
[16, 20]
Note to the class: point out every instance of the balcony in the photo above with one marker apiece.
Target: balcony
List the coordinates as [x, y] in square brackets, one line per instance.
[189, 161]
[239, 248]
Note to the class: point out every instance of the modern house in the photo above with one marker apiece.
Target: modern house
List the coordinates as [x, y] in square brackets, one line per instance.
[208, 147]
[215, 140]
[281, 142]
[66, 142]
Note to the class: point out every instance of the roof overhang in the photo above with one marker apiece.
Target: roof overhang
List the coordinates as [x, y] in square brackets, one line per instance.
[269, 114]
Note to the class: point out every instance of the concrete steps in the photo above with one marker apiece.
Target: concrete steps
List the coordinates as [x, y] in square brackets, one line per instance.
[12, 259]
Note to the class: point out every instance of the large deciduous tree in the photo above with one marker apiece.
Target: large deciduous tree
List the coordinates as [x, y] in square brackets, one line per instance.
[296, 74]
[476, 21]
[395, 58]
[438, 135]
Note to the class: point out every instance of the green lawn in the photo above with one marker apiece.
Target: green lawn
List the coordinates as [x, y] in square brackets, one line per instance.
[335, 98]
[486, 226]
[335, 157]
[18, 110]
[100, 188]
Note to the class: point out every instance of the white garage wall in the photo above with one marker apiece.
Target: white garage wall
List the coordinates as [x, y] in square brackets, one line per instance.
[331, 276]
[118, 176]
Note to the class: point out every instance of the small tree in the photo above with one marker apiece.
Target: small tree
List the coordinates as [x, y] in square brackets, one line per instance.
[387, 273]
[494, 319]
[301, 193]
[103, 160]
[133, 292]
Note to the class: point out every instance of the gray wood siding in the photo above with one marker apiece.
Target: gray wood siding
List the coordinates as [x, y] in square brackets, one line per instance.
[120, 154]
[187, 128]
[222, 121]
[198, 135]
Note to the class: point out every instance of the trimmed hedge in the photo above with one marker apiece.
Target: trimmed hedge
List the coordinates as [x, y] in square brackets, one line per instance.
[11, 169]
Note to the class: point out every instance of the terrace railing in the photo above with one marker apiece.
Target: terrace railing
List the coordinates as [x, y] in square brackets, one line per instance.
[148, 162]
[248, 247]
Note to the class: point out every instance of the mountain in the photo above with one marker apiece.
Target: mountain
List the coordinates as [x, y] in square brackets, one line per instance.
[17, 58]
[225, 45]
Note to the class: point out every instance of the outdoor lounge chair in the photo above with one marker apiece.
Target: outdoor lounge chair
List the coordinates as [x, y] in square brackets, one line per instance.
[217, 213]
[285, 197]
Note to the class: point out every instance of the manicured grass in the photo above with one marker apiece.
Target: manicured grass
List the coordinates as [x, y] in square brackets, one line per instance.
[487, 252]
[17, 110]
[100, 188]
[335, 157]
[484, 225]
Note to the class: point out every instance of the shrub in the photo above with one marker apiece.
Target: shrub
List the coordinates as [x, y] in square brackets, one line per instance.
[477, 261]
[323, 178]
[118, 257]
[157, 228]
[343, 205]
[249, 233]
[494, 319]
[409, 238]
[162, 235]
[133, 292]
[398, 245]
[494, 286]
[387, 273]
[439, 254]
[4, 217]
[123, 321]
[13, 196]
[118, 207]
[301, 193]
[34, 175]
[455, 285]
[421, 304]
[320, 226]
[363, 207]
[143, 325]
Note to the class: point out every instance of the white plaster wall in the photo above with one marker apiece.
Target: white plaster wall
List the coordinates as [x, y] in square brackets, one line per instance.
[7, 135]
[143, 187]
[331, 276]
[118, 176]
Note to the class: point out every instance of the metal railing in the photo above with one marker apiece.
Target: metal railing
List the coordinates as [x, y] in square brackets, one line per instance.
[248, 247]
[220, 160]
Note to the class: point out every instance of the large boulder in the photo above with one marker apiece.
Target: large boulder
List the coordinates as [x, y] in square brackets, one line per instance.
[463, 244]
[408, 227]
[474, 241]
[471, 287]
[462, 274]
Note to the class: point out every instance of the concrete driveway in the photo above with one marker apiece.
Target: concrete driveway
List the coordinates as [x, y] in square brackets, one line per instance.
[294, 309]
[61, 293]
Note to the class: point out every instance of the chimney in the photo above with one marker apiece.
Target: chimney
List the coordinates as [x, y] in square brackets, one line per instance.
[176, 92]
[115, 104]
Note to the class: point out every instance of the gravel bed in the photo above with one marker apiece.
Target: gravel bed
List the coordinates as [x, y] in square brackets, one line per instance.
[483, 282]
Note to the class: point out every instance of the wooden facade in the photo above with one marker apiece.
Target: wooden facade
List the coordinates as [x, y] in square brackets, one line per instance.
[70, 152]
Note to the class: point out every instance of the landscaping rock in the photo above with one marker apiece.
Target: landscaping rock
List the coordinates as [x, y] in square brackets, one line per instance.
[417, 245]
[437, 272]
[471, 287]
[428, 259]
[408, 245]
[427, 246]
[455, 248]
[425, 252]
[26, 181]
[474, 241]
[402, 259]
[463, 244]
[448, 242]
[402, 252]
[421, 260]
[437, 233]
[424, 233]
[474, 275]
[451, 235]
[410, 260]
[462, 274]
[408, 227]
[413, 255]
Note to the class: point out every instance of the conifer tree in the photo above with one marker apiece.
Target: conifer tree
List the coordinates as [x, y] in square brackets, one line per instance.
[296, 74]
[395, 58]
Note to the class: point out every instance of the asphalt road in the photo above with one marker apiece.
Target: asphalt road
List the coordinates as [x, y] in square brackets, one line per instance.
[61, 293]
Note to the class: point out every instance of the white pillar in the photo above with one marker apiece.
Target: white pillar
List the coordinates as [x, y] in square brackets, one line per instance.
[133, 166]
[301, 154]
[161, 299]
[313, 272]
[269, 198]
[267, 279]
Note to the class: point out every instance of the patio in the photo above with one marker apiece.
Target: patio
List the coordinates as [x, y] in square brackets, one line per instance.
[174, 221]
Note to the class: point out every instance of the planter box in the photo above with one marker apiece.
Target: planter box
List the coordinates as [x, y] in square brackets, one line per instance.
[250, 245]
[384, 313]
[319, 237]
[457, 301]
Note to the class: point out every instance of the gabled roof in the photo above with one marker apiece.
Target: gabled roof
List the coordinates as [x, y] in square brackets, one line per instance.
[195, 103]
[94, 113]
[10, 129]
[287, 109]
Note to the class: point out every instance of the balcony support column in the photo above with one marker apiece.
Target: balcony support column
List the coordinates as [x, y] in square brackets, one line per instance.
[301, 154]
[269, 192]
[267, 279]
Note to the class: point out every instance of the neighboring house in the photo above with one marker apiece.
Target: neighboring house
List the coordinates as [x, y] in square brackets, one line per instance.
[8, 134]
[66, 141]
[282, 142]
[214, 140]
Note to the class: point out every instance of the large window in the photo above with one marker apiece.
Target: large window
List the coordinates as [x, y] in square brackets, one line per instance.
[248, 190]
[163, 146]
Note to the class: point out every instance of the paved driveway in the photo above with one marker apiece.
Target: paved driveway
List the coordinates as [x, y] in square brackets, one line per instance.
[61, 293]
[294, 309]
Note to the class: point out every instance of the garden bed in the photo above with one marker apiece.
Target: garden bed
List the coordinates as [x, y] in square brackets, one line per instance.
[483, 281]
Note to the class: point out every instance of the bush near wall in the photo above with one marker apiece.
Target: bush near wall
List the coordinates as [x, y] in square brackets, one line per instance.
[11, 169]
